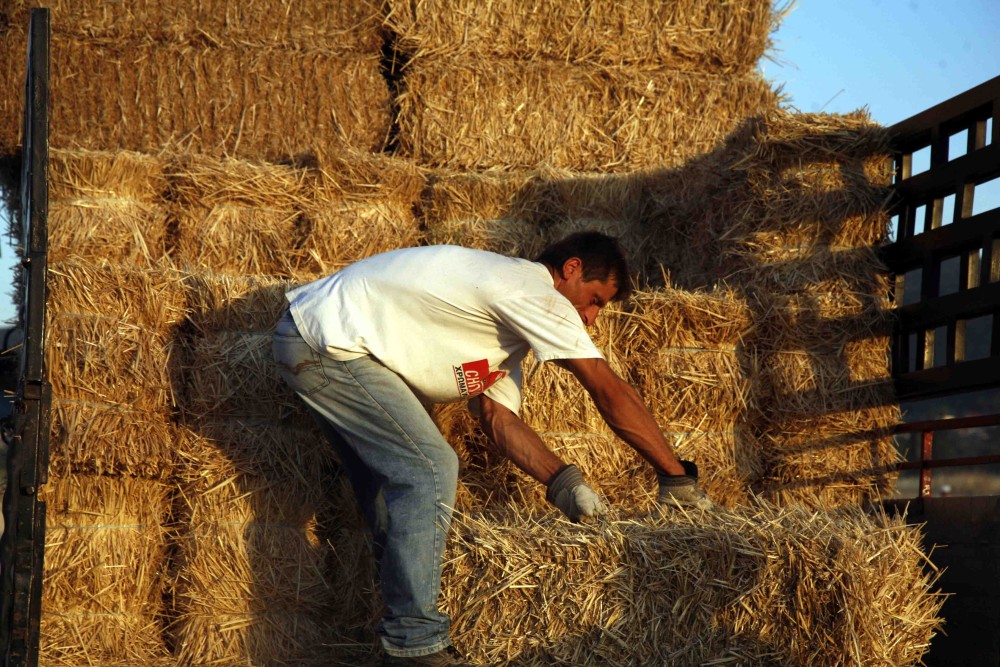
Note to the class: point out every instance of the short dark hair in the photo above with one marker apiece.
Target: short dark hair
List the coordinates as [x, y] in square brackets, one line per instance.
[601, 255]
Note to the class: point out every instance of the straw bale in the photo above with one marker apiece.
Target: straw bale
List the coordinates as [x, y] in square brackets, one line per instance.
[681, 350]
[71, 640]
[235, 562]
[785, 137]
[233, 374]
[237, 239]
[153, 298]
[119, 231]
[513, 213]
[103, 439]
[842, 377]
[13, 50]
[260, 103]
[283, 639]
[813, 178]
[107, 205]
[481, 114]
[699, 35]
[832, 461]
[358, 205]
[692, 389]
[243, 217]
[820, 319]
[100, 175]
[762, 265]
[328, 24]
[108, 360]
[836, 204]
[105, 554]
[665, 118]
[271, 569]
[839, 588]
[666, 318]
[730, 462]
[295, 459]
[235, 303]
[658, 216]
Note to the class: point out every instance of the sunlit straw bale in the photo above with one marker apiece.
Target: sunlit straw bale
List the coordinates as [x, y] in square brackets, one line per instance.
[358, 205]
[654, 320]
[242, 217]
[151, 297]
[237, 217]
[105, 559]
[112, 334]
[259, 103]
[475, 114]
[106, 205]
[694, 35]
[100, 439]
[14, 47]
[690, 589]
[329, 24]
[111, 361]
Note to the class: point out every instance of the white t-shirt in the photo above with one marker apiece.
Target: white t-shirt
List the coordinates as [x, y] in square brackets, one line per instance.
[452, 322]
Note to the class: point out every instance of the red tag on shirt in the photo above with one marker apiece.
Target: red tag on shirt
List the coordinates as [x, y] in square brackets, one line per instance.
[474, 377]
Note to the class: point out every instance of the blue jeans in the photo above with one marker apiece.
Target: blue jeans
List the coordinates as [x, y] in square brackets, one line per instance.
[403, 472]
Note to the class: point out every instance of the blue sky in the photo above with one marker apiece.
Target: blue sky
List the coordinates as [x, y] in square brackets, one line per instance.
[895, 57]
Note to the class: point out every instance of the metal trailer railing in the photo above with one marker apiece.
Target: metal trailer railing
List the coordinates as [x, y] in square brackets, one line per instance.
[940, 237]
[23, 542]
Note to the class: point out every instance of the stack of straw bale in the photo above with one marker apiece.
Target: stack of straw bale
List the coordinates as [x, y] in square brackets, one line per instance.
[113, 359]
[218, 77]
[809, 194]
[272, 565]
[211, 154]
[507, 85]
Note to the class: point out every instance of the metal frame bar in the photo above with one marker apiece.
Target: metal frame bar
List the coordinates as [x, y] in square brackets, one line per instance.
[926, 463]
[973, 239]
[22, 546]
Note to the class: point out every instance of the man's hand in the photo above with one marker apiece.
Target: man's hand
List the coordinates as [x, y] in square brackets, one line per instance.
[568, 492]
[683, 489]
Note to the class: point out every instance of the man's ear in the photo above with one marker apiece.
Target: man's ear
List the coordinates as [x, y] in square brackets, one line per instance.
[571, 267]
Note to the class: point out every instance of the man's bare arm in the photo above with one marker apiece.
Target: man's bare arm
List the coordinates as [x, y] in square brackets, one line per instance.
[624, 411]
[517, 441]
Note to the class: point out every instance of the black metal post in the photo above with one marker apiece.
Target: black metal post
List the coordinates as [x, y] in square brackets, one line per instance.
[22, 546]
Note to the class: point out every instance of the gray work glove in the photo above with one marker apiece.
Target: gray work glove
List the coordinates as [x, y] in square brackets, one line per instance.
[683, 489]
[568, 492]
